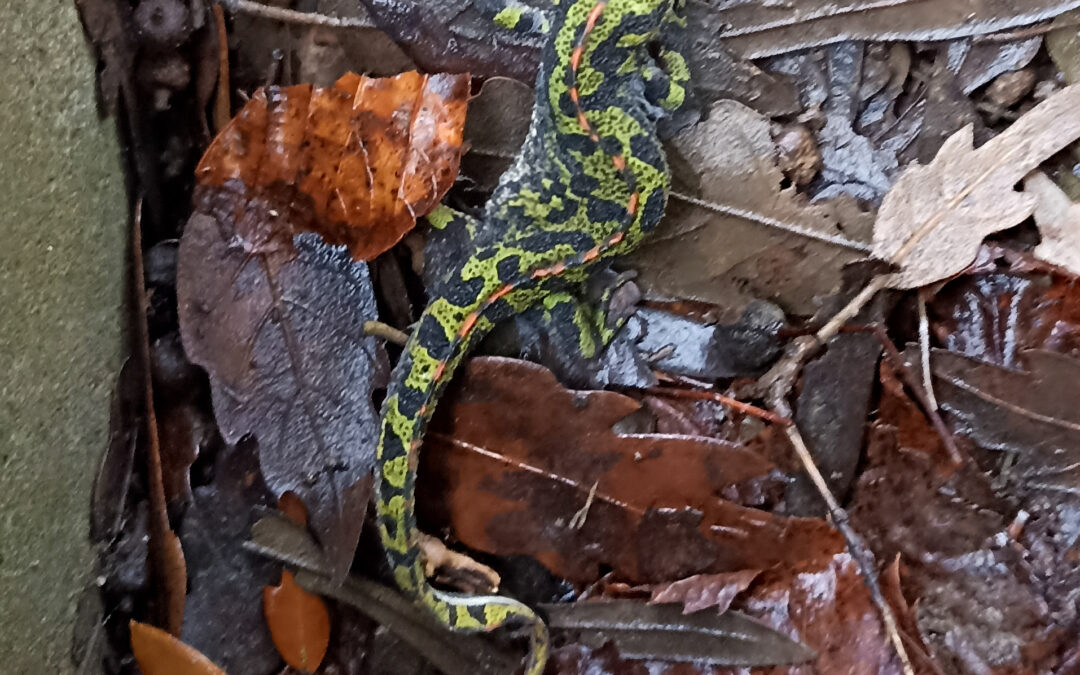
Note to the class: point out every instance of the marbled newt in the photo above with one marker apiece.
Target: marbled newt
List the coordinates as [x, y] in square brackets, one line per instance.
[590, 182]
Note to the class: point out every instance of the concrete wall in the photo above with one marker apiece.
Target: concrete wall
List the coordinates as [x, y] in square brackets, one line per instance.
[63, 244]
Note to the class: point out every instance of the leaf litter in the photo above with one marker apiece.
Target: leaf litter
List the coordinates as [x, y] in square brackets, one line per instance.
[640, 494]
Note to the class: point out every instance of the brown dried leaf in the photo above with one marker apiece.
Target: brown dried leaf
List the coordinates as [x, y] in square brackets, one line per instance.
[1058, 218]
[764, 29]
[365, 157]
[934, 218]
[979, 604]
[277, 321]
[729, 259]
[702, 591]
[577, 495]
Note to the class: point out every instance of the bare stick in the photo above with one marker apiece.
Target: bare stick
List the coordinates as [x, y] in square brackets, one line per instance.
[864, 559]
[386, 332]
[294, 17]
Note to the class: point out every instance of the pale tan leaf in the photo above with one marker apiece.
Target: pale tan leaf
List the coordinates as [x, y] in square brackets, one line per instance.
[1058, 218]
[745, 237]
[933, 219]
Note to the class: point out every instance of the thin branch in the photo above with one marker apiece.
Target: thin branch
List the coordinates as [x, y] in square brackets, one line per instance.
[732, 403]
[864, 558]
[386, 332]
[292, 16]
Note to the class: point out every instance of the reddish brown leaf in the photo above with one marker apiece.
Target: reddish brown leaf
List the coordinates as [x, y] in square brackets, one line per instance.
[159, 653]
[518, 456]
[979, 602]
[365, 157]
[994, 316]
[830, 611]
[298, 622]
[705, 590]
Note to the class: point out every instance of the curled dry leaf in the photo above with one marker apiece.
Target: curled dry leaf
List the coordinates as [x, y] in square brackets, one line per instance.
[1058, 218]
[159, 653]
[577, 495]
[299, 623]
[934, 218]
[277, 322]
[365, 157]
[705, 590]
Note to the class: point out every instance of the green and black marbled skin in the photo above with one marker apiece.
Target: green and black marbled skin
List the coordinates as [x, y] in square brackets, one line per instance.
[591, 181]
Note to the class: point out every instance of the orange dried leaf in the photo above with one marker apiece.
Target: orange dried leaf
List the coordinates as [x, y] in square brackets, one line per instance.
[299, 623]
[293, 507]
[365, 157]
[159, 653]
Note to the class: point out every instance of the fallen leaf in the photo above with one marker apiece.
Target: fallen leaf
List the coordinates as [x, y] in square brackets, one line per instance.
[934, 218]
[743, 253]
[702, 591]
[277, 321]
[224, 617]
[980, 606]
[665, 633]
[830, 611]
[754, 30]
[1058, 219]
[299, 623]
[995, 316]
[365, 157]
[293, 508]
[1029, 410]
[451, 35]
[577, 495]
[159, 653]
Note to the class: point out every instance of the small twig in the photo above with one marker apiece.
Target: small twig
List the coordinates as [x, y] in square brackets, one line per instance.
[864, 558]
[753, 216]
[294, 17]
[386, 332]
[732, 403]
[578, 520]
[924, 351]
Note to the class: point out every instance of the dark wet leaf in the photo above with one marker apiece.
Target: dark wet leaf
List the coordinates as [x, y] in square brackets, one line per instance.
[664, 633]
[831, 410]
[980, 605]
[830, 611]
[661, 507]
[992, 317]
[224, 618]
[452, 36]
[277, 321]
[755, 30]
[1029, 411]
